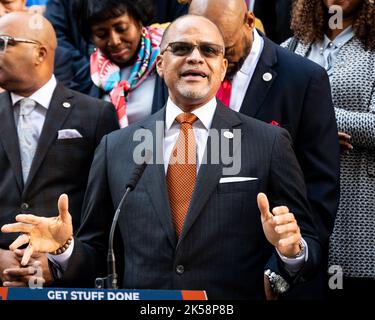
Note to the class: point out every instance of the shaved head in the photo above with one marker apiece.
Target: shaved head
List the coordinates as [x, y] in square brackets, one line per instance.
[236, 25]
[231, 12]
[179, 23]
[217, 7]
[32, 50]
[30, 26]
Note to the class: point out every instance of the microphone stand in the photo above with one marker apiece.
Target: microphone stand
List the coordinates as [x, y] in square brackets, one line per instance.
[110, 281]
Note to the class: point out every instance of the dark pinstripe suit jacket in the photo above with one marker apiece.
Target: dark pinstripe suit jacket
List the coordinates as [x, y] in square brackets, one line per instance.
[59, 166]
[222, 248]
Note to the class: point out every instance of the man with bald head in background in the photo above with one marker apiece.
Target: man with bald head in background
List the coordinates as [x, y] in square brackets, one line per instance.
[273, 85]
[63, 67]
[48, 134]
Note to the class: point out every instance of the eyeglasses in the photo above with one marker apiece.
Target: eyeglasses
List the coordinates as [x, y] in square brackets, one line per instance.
[182, 49]
[7, 40]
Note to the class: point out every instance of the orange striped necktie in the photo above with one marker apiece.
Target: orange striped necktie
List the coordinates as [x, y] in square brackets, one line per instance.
[182, 171]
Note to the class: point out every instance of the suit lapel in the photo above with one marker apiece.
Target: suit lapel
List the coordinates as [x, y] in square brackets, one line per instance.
[9, 137]
[260, 82]
[55, 118]
[154, 176]
[209, 174]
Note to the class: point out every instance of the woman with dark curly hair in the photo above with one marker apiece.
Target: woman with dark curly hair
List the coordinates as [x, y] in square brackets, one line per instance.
[123, 64]
[347, 52]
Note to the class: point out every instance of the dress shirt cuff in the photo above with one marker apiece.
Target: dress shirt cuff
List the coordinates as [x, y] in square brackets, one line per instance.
[60, 261]
[294, 265]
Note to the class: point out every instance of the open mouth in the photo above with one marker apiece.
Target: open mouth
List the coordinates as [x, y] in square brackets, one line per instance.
[194, 74]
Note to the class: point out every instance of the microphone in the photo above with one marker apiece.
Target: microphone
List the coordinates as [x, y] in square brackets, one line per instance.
[110, 281]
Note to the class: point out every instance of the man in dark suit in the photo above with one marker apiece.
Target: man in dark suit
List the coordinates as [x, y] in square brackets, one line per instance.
[275, 86]
[65, 127]
[191, 222]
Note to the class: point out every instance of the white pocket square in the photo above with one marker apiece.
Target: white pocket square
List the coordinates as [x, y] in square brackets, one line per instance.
[236, 179]
[68, 134]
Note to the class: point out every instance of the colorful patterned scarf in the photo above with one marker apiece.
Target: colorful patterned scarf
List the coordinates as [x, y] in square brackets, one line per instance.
[107, 75]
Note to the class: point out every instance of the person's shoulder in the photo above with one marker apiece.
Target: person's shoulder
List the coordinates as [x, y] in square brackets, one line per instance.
[294, 62]
[83, 100]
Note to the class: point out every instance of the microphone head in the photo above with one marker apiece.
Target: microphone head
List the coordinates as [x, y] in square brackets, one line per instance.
[138, 170]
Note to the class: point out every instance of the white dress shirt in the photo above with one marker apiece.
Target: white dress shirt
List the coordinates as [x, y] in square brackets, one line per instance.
[251, 5]
[242, 79]
[201, 129]
[43, 97]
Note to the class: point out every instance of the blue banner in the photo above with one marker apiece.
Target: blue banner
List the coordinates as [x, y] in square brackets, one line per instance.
[60, 294]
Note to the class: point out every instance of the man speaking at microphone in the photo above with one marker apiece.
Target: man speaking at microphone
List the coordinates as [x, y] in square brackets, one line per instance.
[187, 224]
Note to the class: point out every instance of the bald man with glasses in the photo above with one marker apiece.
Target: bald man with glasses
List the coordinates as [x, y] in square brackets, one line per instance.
[48, 135]
[63, 65]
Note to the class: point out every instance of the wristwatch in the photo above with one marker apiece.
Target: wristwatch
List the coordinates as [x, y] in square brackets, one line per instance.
[277, 282]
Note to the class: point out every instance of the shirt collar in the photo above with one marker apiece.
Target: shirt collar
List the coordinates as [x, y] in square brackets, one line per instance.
[253, 56]
[42, 96]
[205, 113]
[341, 39]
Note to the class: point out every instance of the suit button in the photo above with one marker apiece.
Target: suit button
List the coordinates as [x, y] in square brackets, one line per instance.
[24, 206]
[180, 269]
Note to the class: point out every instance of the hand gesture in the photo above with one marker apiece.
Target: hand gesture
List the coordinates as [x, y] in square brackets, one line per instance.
[280, 227]
[42, 234]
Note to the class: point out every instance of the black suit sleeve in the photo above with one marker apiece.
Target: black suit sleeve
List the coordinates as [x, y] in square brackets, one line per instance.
[317, 148]
[287, 187]
[88, 260]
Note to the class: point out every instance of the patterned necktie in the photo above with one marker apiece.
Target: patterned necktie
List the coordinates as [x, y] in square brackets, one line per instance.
[27, 135]
[182, 171]
[224, 92]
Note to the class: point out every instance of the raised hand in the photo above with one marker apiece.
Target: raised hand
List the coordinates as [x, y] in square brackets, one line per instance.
[42, 234]
[280, 227]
